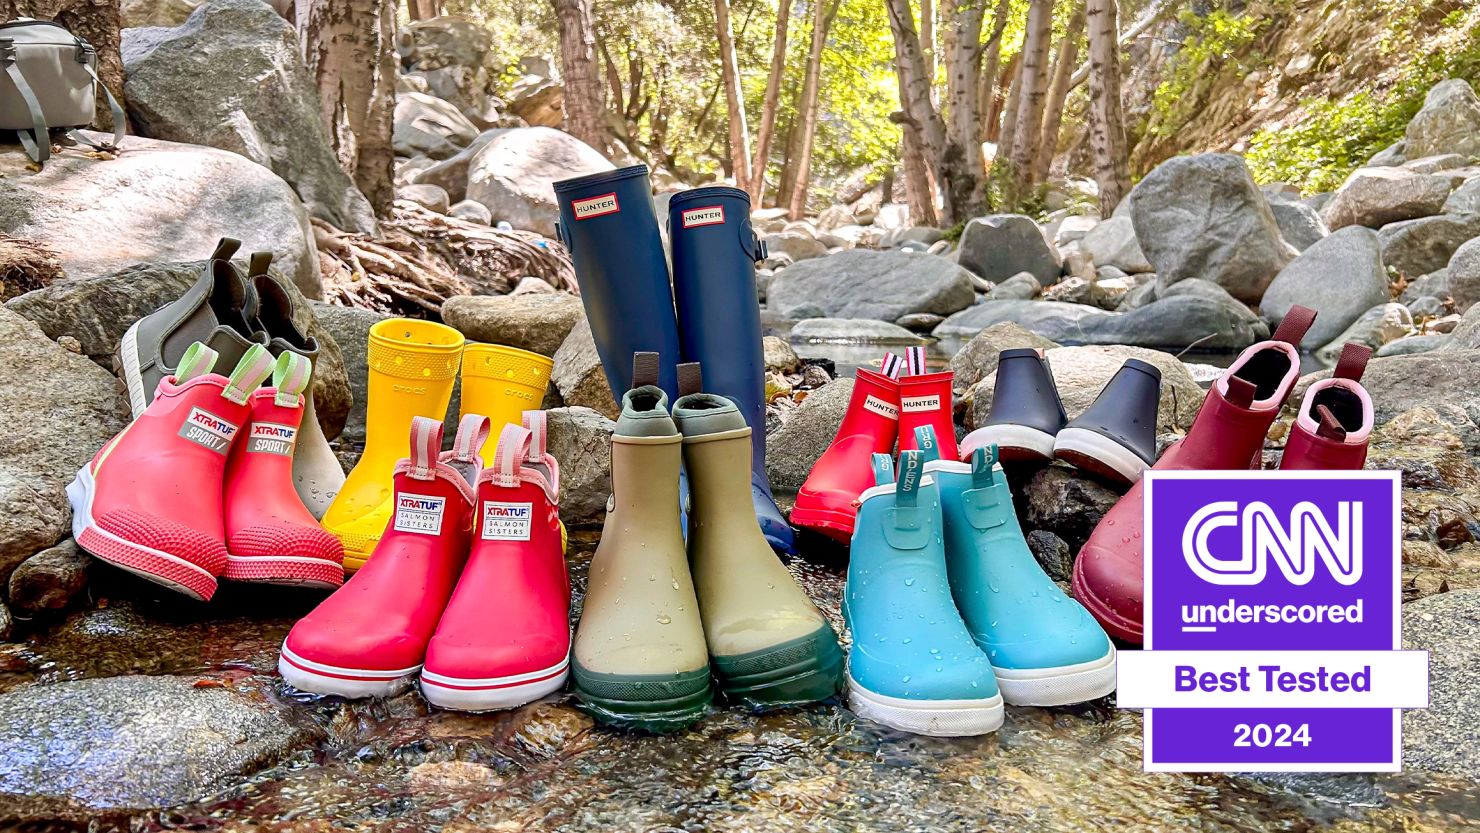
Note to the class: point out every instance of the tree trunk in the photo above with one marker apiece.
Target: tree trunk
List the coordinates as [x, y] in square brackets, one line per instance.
[349, 50]
[1106, 118]
[991, 63]
[961, 41]
[96, 21]
[927, 37]
[1032, 89]
[757, 186]
[1058, 91]
[734, 97]
[423, 9]
[947, 174]
[580, 72]
[1010, 84]
[822, 18]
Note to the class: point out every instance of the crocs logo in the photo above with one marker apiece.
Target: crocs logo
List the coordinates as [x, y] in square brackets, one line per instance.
[271, 438]
[916, 404]
[506, 521]
[519, 394]
[1294, 547]
[880, 407]
[595, 206]
[710, 215]
[206, 429]
[421, 514]
[412, 389]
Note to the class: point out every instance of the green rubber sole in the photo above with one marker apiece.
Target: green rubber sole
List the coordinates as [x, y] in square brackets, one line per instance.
[793, 673]
[655, 703]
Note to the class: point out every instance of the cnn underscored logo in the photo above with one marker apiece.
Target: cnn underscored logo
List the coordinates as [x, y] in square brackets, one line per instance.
[1295, 543]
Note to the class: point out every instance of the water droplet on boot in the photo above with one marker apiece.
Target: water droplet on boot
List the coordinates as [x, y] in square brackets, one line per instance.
[664, 618]
[909, 582]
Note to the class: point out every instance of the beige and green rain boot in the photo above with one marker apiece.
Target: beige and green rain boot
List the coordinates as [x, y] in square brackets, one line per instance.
[640, 659]
[768, 644]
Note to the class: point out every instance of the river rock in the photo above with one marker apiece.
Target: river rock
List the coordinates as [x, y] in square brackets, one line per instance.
[1448, 123]
[1413, 344]
[100, 216]
[792, 449]
[430, 197]
[1464, 275]
[1419, 247]
[580, 440]
[425, 125]
[451, 174]
[1466, 336]
[852, 329]
[472, 212]
[139, 13]
[1397, 383]
[1465, 199]
[535, 322]
[137, 742]
[1374, 197]
[1427, 306]
[1340, 278]
[860, 283]
[514, 174]
[977, 359]
[920, 322]
[1066, 503]
[835, 216]
[186, 84]
[1001, 245]
[1373, 328]
[50, 579]
[449, 53]
[1113, 243]
[779, 356]
[795, 245]
[1020, 287]
[578, 374]
[1202, 216]
[1445, 737]
[1300, 225]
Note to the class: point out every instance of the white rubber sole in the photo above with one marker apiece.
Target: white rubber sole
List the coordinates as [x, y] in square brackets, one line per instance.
[1118, 458]
[1009, 438]
[936, 718]
[353, 683]
[128, 355]
[1060, 686]
[493, 693]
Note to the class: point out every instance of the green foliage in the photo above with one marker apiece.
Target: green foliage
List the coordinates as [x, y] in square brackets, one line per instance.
[1214, 44]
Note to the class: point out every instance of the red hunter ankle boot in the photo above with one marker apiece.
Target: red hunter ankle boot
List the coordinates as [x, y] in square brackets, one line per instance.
[150, 501]
[370, 638]
[505, 638]
[1227, 433]
[1335, 419]
[270, 535]
[825, 502]
[925, 399]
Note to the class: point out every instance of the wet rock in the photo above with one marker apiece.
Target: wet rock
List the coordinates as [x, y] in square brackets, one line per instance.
[50, 579]
[1375, 197]
[1445, 737]
[795, 245]
[472, 212]
[136, 742]
[1340, 277]
[547, 729]
[1202, 216]
[580, 440]
[1448, 123]
[535, 322]
[514, 174]
[1020, 287]
[1423, 246]
[1412, 344]
[350, 330]
[1002, 245]
[426, 125]
[430, 197]
[867, 284]
[920, 322]
[1464, 275]
[1373, 328]
[792, 449]
[186, 84]
[779, 356]
[578, 374]
[453, 776]
[1113, 243]
[852, 329]
[1052, 553]
[1066, 503]
[1398, 383]
[101, 216]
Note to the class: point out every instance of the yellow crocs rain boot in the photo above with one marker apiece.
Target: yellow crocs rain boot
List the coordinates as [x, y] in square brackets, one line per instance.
[502, 383]
[412, 367]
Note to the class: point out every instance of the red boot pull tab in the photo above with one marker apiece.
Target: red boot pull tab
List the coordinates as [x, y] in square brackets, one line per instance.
[1353, 362]
[1294, 325]
[1241, 392]
[1330, 426]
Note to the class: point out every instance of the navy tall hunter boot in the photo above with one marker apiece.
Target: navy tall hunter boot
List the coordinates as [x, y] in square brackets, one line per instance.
[714, 257]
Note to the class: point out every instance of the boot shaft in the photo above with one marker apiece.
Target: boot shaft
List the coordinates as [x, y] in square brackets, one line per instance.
[1024, 392]
[412, 368]
[1335, 419]
[925, 400]
[501, 383]
[1125, 409]
[873, 410]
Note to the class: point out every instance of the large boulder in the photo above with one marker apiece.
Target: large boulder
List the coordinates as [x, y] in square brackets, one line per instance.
[1002, 245]
[451, 174]
[1448, 123]
[1113, 243]
[61, 408]
[860, 283]
[429, 126]
[450, 53]
[977, 359]
[794, 448]
[1374, 197]
[1374, 328]
[1464, 275]
[1300, 225]
[578, 375]
[350, 329]
[1465, 199]
[852, 330]
[1203, 217]
[157, 202]
[535, 322]
[186, 84]
[1398, 383]
[515, 172]
[1445, 737]
[1340, 278]
[1419, 247]
[581, 440]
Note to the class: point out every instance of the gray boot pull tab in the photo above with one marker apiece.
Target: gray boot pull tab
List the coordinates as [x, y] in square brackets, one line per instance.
[258, 264]
[690, 378]
[225, 248]
[925, 439]
[905, 527]
[644, 369]
[883, 466]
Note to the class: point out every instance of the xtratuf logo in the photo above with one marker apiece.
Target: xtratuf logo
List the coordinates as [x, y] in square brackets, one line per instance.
[1295, 544]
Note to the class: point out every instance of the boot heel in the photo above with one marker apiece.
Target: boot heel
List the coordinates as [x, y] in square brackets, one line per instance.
[804, 670]
[655, 703]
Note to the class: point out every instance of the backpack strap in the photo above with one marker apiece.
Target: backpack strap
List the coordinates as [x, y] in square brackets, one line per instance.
[38, 141]
[120, 121]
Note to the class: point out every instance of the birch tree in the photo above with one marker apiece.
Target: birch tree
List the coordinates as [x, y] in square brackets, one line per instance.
[1106, 116]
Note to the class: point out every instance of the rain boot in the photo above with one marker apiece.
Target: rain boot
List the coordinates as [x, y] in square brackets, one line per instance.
[317, 475]
[768, 644]
[270, 535]
[412, 365]
[914, 665]
[151, 500]
[1044, 647]
[1335, 420]
[502, 383]
[1026, 413]
[1115, 437]
[925, 399]
[825, 503]
[1227, 433]
[369, 639]
[640, 658]
[714, 256]
[504, 639]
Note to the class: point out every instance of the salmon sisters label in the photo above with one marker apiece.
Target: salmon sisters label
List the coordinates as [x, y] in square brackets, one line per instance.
[1272, 624]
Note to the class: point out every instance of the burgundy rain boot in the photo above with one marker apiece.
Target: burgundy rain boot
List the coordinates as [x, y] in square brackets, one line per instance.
[1227, 433]
[1335, 419]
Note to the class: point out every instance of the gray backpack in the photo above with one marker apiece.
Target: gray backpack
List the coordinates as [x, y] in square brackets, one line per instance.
[49, 79]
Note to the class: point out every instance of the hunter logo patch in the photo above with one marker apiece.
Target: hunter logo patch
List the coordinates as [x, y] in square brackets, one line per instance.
[916, 404]
[271, 438]
[880, 407]
[595, 206]
[419, 513]
[710, 215]
[506, 521]
[206, 429]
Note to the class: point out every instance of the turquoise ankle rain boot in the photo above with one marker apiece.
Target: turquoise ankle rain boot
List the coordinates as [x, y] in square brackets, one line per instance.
[914, 666]
[1046, 649]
